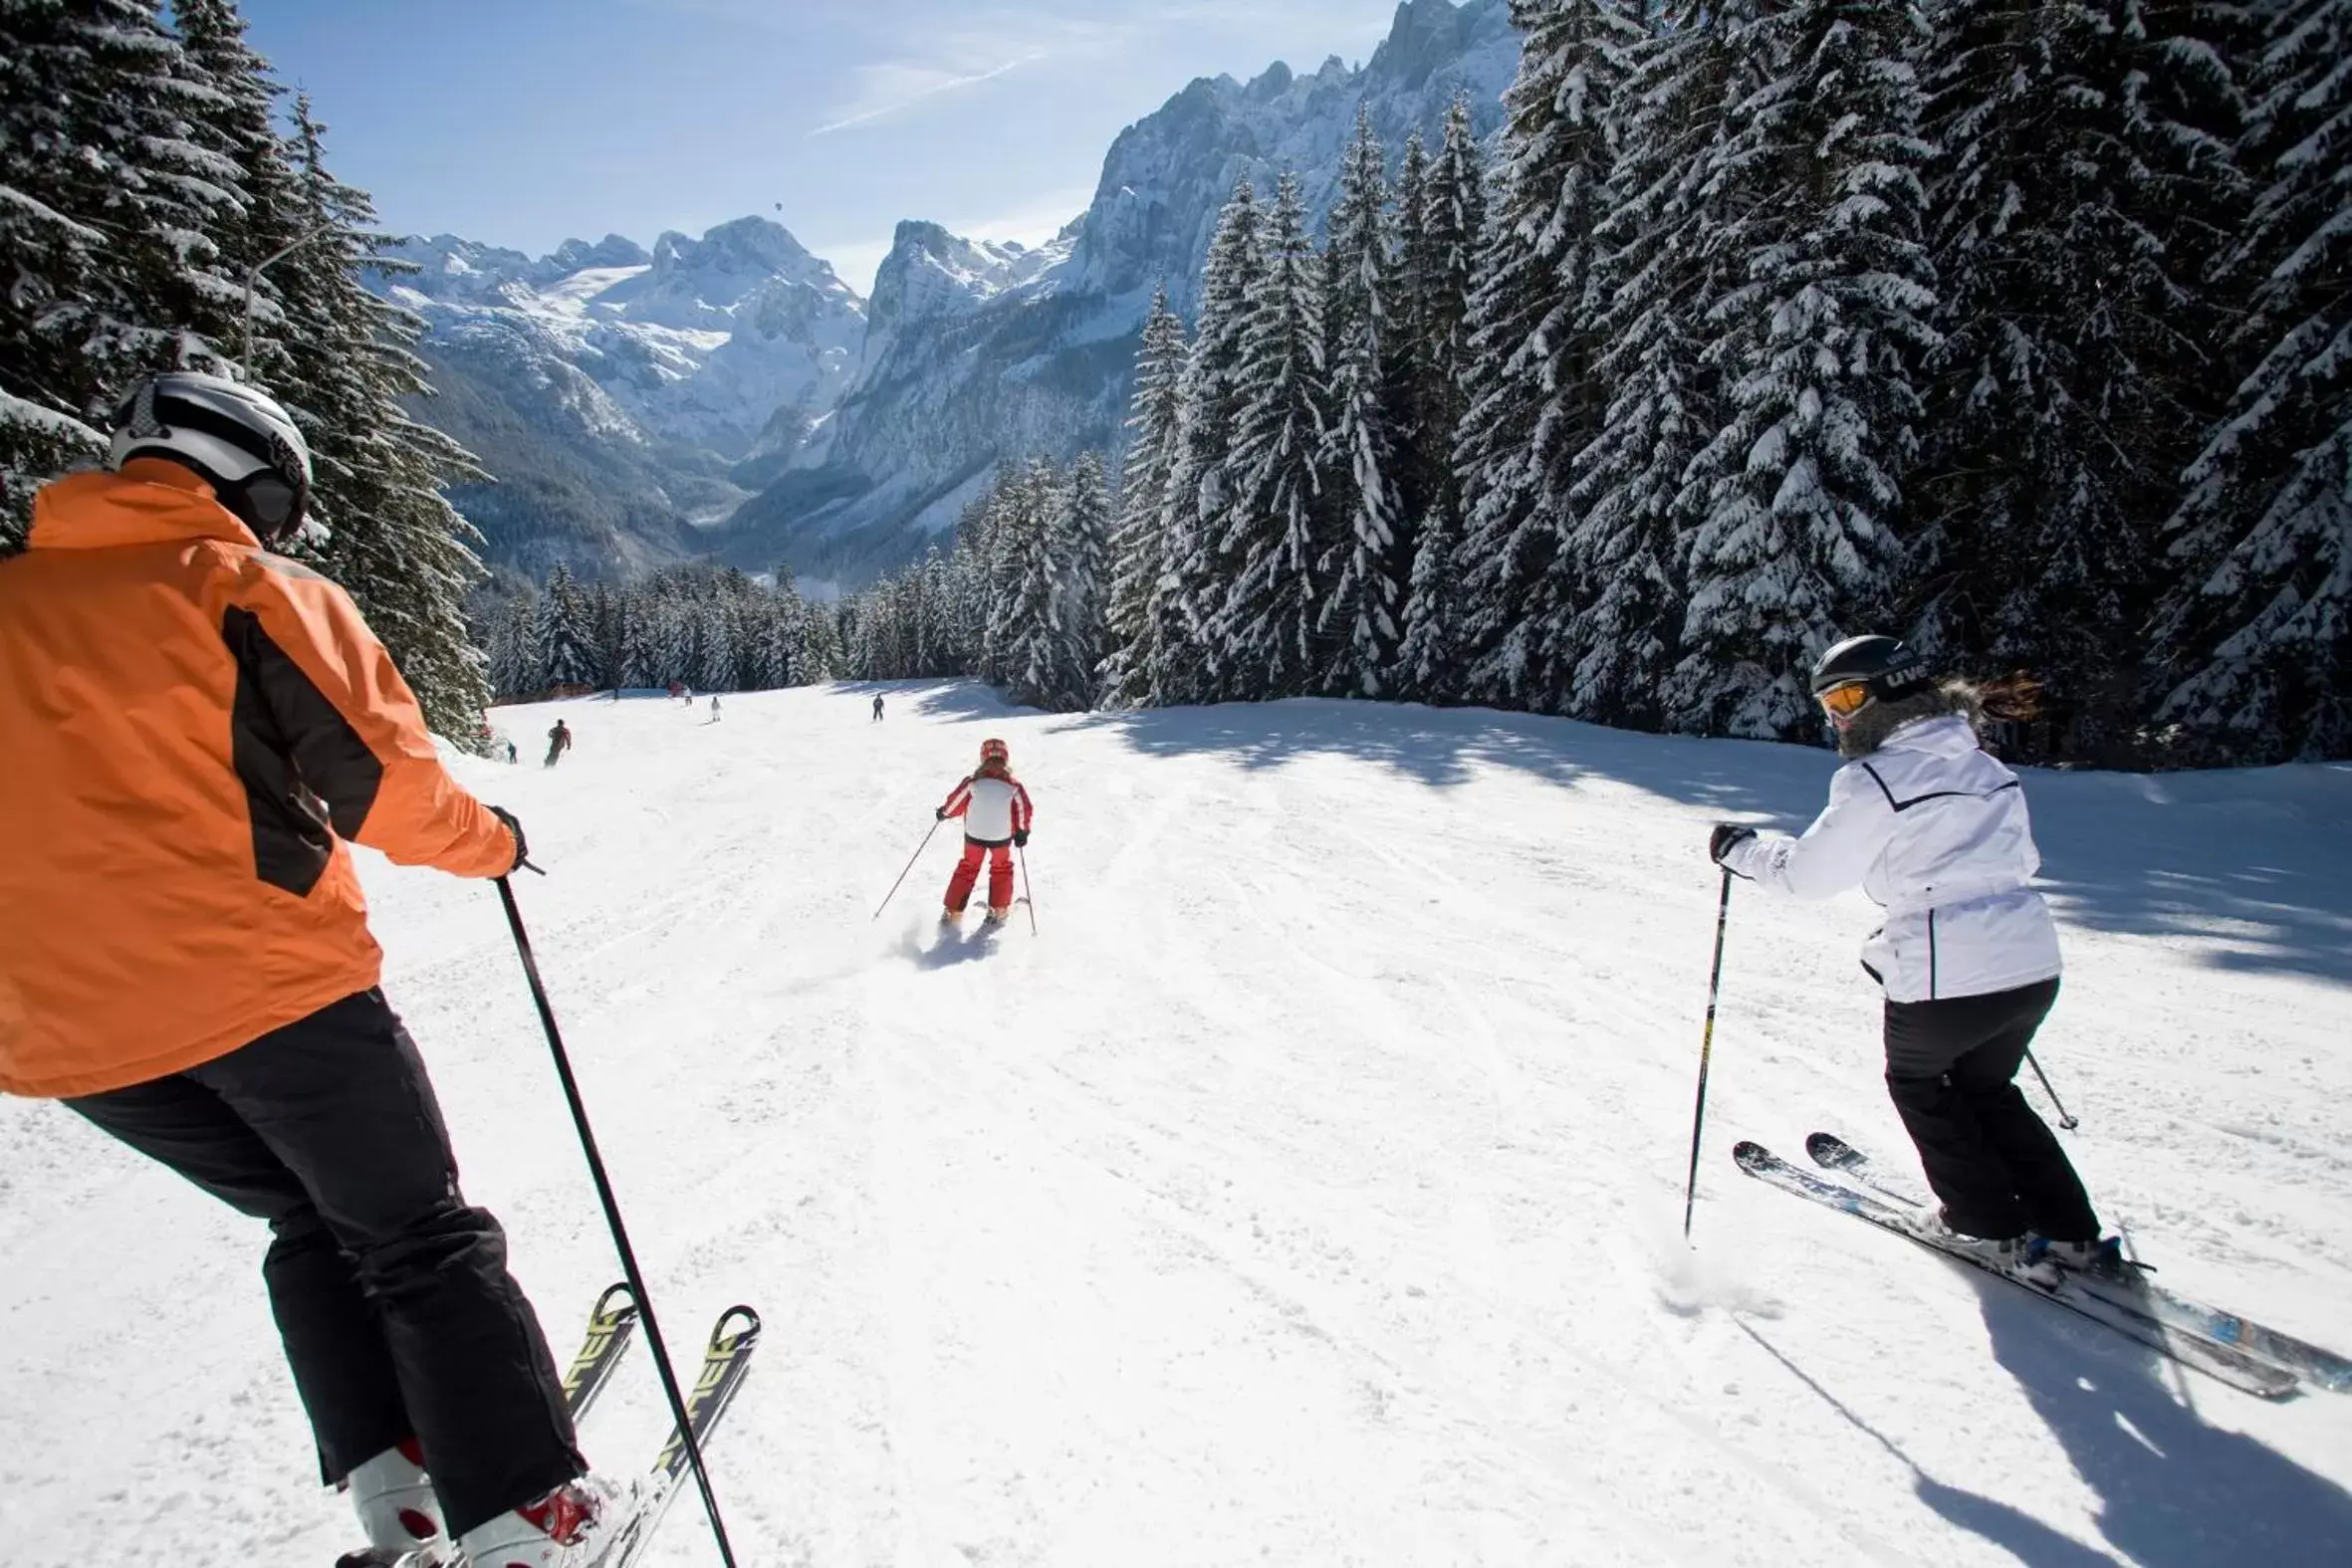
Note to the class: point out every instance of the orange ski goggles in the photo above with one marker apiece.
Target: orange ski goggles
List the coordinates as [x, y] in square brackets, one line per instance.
[1843, 702]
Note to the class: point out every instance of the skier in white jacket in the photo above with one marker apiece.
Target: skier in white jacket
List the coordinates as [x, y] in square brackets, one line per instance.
[996, 817]
[1936, 831]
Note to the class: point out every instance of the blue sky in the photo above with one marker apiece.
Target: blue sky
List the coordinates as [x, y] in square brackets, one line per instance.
[526, 121]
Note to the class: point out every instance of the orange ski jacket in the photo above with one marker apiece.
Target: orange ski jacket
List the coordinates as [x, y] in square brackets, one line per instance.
[190, 728]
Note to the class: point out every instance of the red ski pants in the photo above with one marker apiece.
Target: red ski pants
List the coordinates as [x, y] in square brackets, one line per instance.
[1000, 876]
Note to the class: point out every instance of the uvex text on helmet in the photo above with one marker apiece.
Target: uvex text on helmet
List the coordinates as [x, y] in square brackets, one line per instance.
[1885, 665]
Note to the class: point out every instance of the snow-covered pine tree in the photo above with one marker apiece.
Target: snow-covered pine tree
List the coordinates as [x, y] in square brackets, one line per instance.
[514, 668]
[2256, 633]
[641, 640]
[1272, 528]
[1082, 576]
[1406, 284]
[778, 634]
[675, 627]
[1184, 665]
[1658, 268]
[562, 639]
[1536, 404]
[1139, 549]
[942, 652]
[108, 204]
[605, 615]
[1365, 550]
[968, 588]
[714, 645]
[1440, 252]
[821, 657]
[1031, 640]
[236, 94]
[1820, 341]
[993, 542]
[343, 360]
[2055, 430]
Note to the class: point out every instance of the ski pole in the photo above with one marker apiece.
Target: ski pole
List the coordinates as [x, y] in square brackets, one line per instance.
[620, 1240]
[910, 865]
[1723, 914]
[2064, 1120]
[1029, 891]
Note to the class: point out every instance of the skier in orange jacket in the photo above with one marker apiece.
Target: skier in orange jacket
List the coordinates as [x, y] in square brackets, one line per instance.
[185, 959]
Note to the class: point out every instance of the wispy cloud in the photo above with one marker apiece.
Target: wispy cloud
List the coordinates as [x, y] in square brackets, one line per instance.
[886, 87]
[1035, 220]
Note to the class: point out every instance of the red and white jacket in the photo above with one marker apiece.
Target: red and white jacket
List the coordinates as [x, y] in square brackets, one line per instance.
[992, 806]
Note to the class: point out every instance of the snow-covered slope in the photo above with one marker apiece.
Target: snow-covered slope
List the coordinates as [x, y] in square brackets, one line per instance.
[994, 360]
[677, 376]
[1307, 1192]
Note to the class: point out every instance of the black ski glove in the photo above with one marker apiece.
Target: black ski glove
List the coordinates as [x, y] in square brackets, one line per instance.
[1724, 835]
[1021, 839]
[522, 846]
[939, 816]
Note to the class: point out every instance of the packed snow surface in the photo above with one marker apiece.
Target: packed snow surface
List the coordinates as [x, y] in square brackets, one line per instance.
[1307, 1191]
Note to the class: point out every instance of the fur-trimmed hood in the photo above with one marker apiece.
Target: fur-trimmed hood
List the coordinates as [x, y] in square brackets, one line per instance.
[1874, 723]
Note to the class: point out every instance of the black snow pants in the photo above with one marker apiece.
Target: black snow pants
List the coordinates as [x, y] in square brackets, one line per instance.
[1951, 1066]
[392, 1297]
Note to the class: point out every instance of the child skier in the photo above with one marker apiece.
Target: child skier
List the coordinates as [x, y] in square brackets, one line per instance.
[1934, 830]
[996, 817]
[559, 740]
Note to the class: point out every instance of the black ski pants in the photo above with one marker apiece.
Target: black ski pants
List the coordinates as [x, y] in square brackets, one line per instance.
[1951, 1068]
[392, 1297]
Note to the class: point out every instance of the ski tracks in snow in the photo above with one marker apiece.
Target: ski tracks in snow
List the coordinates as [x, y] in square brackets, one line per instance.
[1308, 1192]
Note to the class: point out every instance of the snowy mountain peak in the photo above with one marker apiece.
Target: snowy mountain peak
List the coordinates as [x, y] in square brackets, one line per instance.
[613, 250]
[750, 248]
[977, 352]
[683, 363]
[931, 272]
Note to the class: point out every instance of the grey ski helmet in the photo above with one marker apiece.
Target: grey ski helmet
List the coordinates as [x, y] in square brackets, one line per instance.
[238, 440]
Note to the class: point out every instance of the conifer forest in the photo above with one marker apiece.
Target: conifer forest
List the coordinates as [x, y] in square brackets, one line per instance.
[2021, 329]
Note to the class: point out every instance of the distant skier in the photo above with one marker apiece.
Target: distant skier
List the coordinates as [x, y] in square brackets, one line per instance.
[997, 816]
[185, 960]
[877, 707]
[559, 740]
[511, 754]
[1936, 832]
[714, 710]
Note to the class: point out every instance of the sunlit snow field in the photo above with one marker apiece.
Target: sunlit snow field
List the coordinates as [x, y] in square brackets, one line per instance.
[1305, 1192]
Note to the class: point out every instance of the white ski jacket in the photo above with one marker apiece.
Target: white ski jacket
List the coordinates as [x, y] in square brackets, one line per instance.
[1936, 832]
[994, 807]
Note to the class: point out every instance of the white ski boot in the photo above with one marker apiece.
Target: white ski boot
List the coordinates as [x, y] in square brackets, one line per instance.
[573, 1526]
[397, 1510]
[998, 914]
[2011, 1254]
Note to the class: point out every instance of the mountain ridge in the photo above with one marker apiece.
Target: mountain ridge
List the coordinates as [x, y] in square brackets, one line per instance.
[729, 394]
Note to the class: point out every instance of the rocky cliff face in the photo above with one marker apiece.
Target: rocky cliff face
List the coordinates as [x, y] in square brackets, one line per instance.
[625, 398]
[977, 353]
[730, 395]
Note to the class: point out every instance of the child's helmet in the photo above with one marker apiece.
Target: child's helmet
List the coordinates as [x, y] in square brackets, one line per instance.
[995, 752]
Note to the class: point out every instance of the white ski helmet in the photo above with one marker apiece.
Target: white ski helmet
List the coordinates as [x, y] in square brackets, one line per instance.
[239, 440]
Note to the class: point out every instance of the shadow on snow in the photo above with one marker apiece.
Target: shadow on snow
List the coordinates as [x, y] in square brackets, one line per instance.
[2256, 863]
[2171, 1491]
